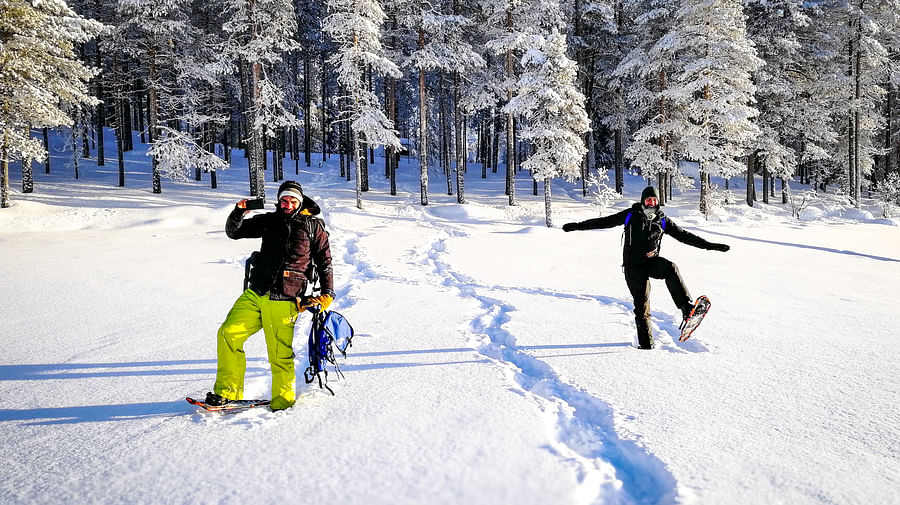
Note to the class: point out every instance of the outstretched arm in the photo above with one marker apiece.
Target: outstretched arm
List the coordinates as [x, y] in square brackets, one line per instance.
[610, 221]
[684, 236]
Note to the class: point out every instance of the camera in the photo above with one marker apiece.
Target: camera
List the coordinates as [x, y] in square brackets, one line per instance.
[255, 204]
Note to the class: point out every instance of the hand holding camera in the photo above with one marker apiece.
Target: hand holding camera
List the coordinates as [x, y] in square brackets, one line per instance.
[254, 204]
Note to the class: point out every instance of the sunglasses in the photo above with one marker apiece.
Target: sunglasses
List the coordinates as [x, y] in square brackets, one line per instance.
[651, 201]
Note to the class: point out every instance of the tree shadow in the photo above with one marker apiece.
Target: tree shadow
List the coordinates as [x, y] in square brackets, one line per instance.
[803, 246]
[46, 371]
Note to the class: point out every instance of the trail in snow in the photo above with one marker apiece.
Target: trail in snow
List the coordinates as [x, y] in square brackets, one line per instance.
[584, 425]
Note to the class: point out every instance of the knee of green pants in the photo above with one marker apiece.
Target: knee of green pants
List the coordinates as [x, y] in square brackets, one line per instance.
[281, 360]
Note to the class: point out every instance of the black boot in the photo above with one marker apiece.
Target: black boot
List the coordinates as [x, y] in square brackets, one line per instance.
[644, 334]
[215, 400]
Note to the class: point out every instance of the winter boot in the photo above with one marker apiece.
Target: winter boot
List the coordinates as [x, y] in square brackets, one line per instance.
[215, 400]
[686, 312]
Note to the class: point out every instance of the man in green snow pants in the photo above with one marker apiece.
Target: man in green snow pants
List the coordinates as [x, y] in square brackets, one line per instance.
[294, 248]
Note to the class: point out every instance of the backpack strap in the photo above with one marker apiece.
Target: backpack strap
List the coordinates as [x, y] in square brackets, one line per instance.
[248, 265]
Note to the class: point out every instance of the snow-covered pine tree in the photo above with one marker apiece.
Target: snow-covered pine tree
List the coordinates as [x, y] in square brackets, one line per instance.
[870, 24]
[773, 26]
[39, 75]
[355, 25]
[259, 32]
[713, 93]
[195, 101]
[509, 25]
[549, 99]
[150, 31]
[649, 67]
[599, 40]
[444, 45]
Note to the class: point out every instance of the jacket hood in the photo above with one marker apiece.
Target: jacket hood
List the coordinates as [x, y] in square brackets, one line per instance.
[311, 206]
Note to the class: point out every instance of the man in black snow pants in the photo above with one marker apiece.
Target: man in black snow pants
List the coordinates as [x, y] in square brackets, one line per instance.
[645, 225]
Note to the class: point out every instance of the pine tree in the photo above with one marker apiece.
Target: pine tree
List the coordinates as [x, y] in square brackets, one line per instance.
[259, 33]
[355, 27]
[649, 67]
[712, 95]
[554, 109]
[39, 75]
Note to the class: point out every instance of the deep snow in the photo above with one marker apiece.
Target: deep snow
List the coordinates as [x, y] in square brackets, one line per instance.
[493, 363]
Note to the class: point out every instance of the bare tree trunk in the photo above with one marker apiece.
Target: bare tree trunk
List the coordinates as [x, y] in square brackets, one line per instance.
[423, 130]
[46, 133]
[153, 117]
[857, 167]
[4, 163]
[548, 211]
[255, 145]
[704, 192]
[101, 112]
[510, 126]
[890, 158]
[751, 183]
[75, 143]
[324, 108]
[307, 111]
[4, 174]
[461, 143]
[27, 173]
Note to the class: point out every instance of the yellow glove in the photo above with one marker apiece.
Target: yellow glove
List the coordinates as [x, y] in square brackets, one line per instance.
[323, 301]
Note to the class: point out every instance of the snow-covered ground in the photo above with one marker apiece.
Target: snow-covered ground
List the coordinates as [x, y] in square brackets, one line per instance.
[493, 363]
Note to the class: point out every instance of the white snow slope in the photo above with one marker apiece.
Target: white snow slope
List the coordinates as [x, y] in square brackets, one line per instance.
[493, 362]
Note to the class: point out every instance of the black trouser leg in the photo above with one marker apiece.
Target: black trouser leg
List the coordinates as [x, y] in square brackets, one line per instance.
[662, 268]
[639, 285]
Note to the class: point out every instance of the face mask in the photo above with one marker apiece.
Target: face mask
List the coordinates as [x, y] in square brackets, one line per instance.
[650, 212]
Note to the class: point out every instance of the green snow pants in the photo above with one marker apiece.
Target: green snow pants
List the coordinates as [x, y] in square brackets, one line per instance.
[249, 314]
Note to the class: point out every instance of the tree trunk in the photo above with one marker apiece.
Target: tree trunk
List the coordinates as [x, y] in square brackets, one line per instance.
[360, 159]
[47, 150]
[101, 113]
[704, 192]
[139, 100]
[255, 146]
[153, 117]
[4, 175]
[461, 144]
[75, 144]
[751, 184]
[27, 173]
[547, 209]
[423, 130]
[890, 157]
[445, 140]
[391, 156]
[856, 167]
[324, 109]
[121, 121]
[307, 111]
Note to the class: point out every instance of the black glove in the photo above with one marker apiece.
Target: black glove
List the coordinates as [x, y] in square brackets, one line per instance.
[571, 227]
[719, 247]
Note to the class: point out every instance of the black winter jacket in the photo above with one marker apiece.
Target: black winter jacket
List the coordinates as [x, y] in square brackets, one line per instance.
[290, 246]
[643, 236]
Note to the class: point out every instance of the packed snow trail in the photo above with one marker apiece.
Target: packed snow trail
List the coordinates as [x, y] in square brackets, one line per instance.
[610, 470]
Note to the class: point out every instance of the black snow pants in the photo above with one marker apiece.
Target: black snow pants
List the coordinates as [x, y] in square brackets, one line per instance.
[638, 276]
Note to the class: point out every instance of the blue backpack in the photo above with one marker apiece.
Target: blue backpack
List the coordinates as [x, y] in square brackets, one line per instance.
[329, 331]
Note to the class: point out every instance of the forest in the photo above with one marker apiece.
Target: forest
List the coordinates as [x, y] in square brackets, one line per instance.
[770, 90]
